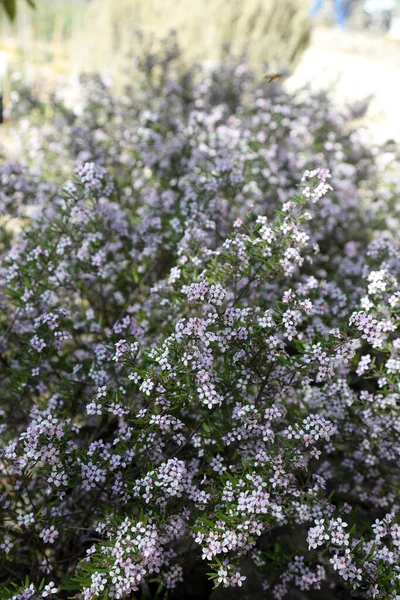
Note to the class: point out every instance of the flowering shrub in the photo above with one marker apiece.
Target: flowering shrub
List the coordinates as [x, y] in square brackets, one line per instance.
[198, 339]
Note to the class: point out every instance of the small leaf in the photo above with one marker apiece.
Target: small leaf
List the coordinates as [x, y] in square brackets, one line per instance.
[358, 545]
[208, 522]
[371, 552]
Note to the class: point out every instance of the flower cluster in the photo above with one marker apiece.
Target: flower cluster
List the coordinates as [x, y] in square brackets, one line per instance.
[198, 342]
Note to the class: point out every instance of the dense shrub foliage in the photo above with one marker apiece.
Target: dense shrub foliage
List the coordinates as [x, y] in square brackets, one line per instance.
[198, 344]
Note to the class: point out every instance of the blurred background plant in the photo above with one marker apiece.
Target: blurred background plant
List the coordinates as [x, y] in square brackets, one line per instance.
[76, 35]
[267, 31]
[51, 45]
[10, 7]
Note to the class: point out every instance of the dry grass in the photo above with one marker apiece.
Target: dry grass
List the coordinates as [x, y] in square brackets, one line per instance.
[67, 37]
[270, 31]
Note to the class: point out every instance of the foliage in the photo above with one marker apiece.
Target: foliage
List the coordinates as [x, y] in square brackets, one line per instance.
[10, 7]
[200, 360]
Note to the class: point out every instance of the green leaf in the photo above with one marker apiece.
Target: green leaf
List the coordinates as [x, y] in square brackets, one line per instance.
[331, 495]
[83, 581]
[358, 545]
[371, 552]
[352, 530]
[31, 3]
[10, 6]
[208, 522]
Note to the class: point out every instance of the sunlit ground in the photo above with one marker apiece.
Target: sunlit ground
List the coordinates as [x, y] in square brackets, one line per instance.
[354, 66]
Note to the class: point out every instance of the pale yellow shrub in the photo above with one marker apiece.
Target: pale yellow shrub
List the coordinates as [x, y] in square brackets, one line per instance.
[270, 31]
